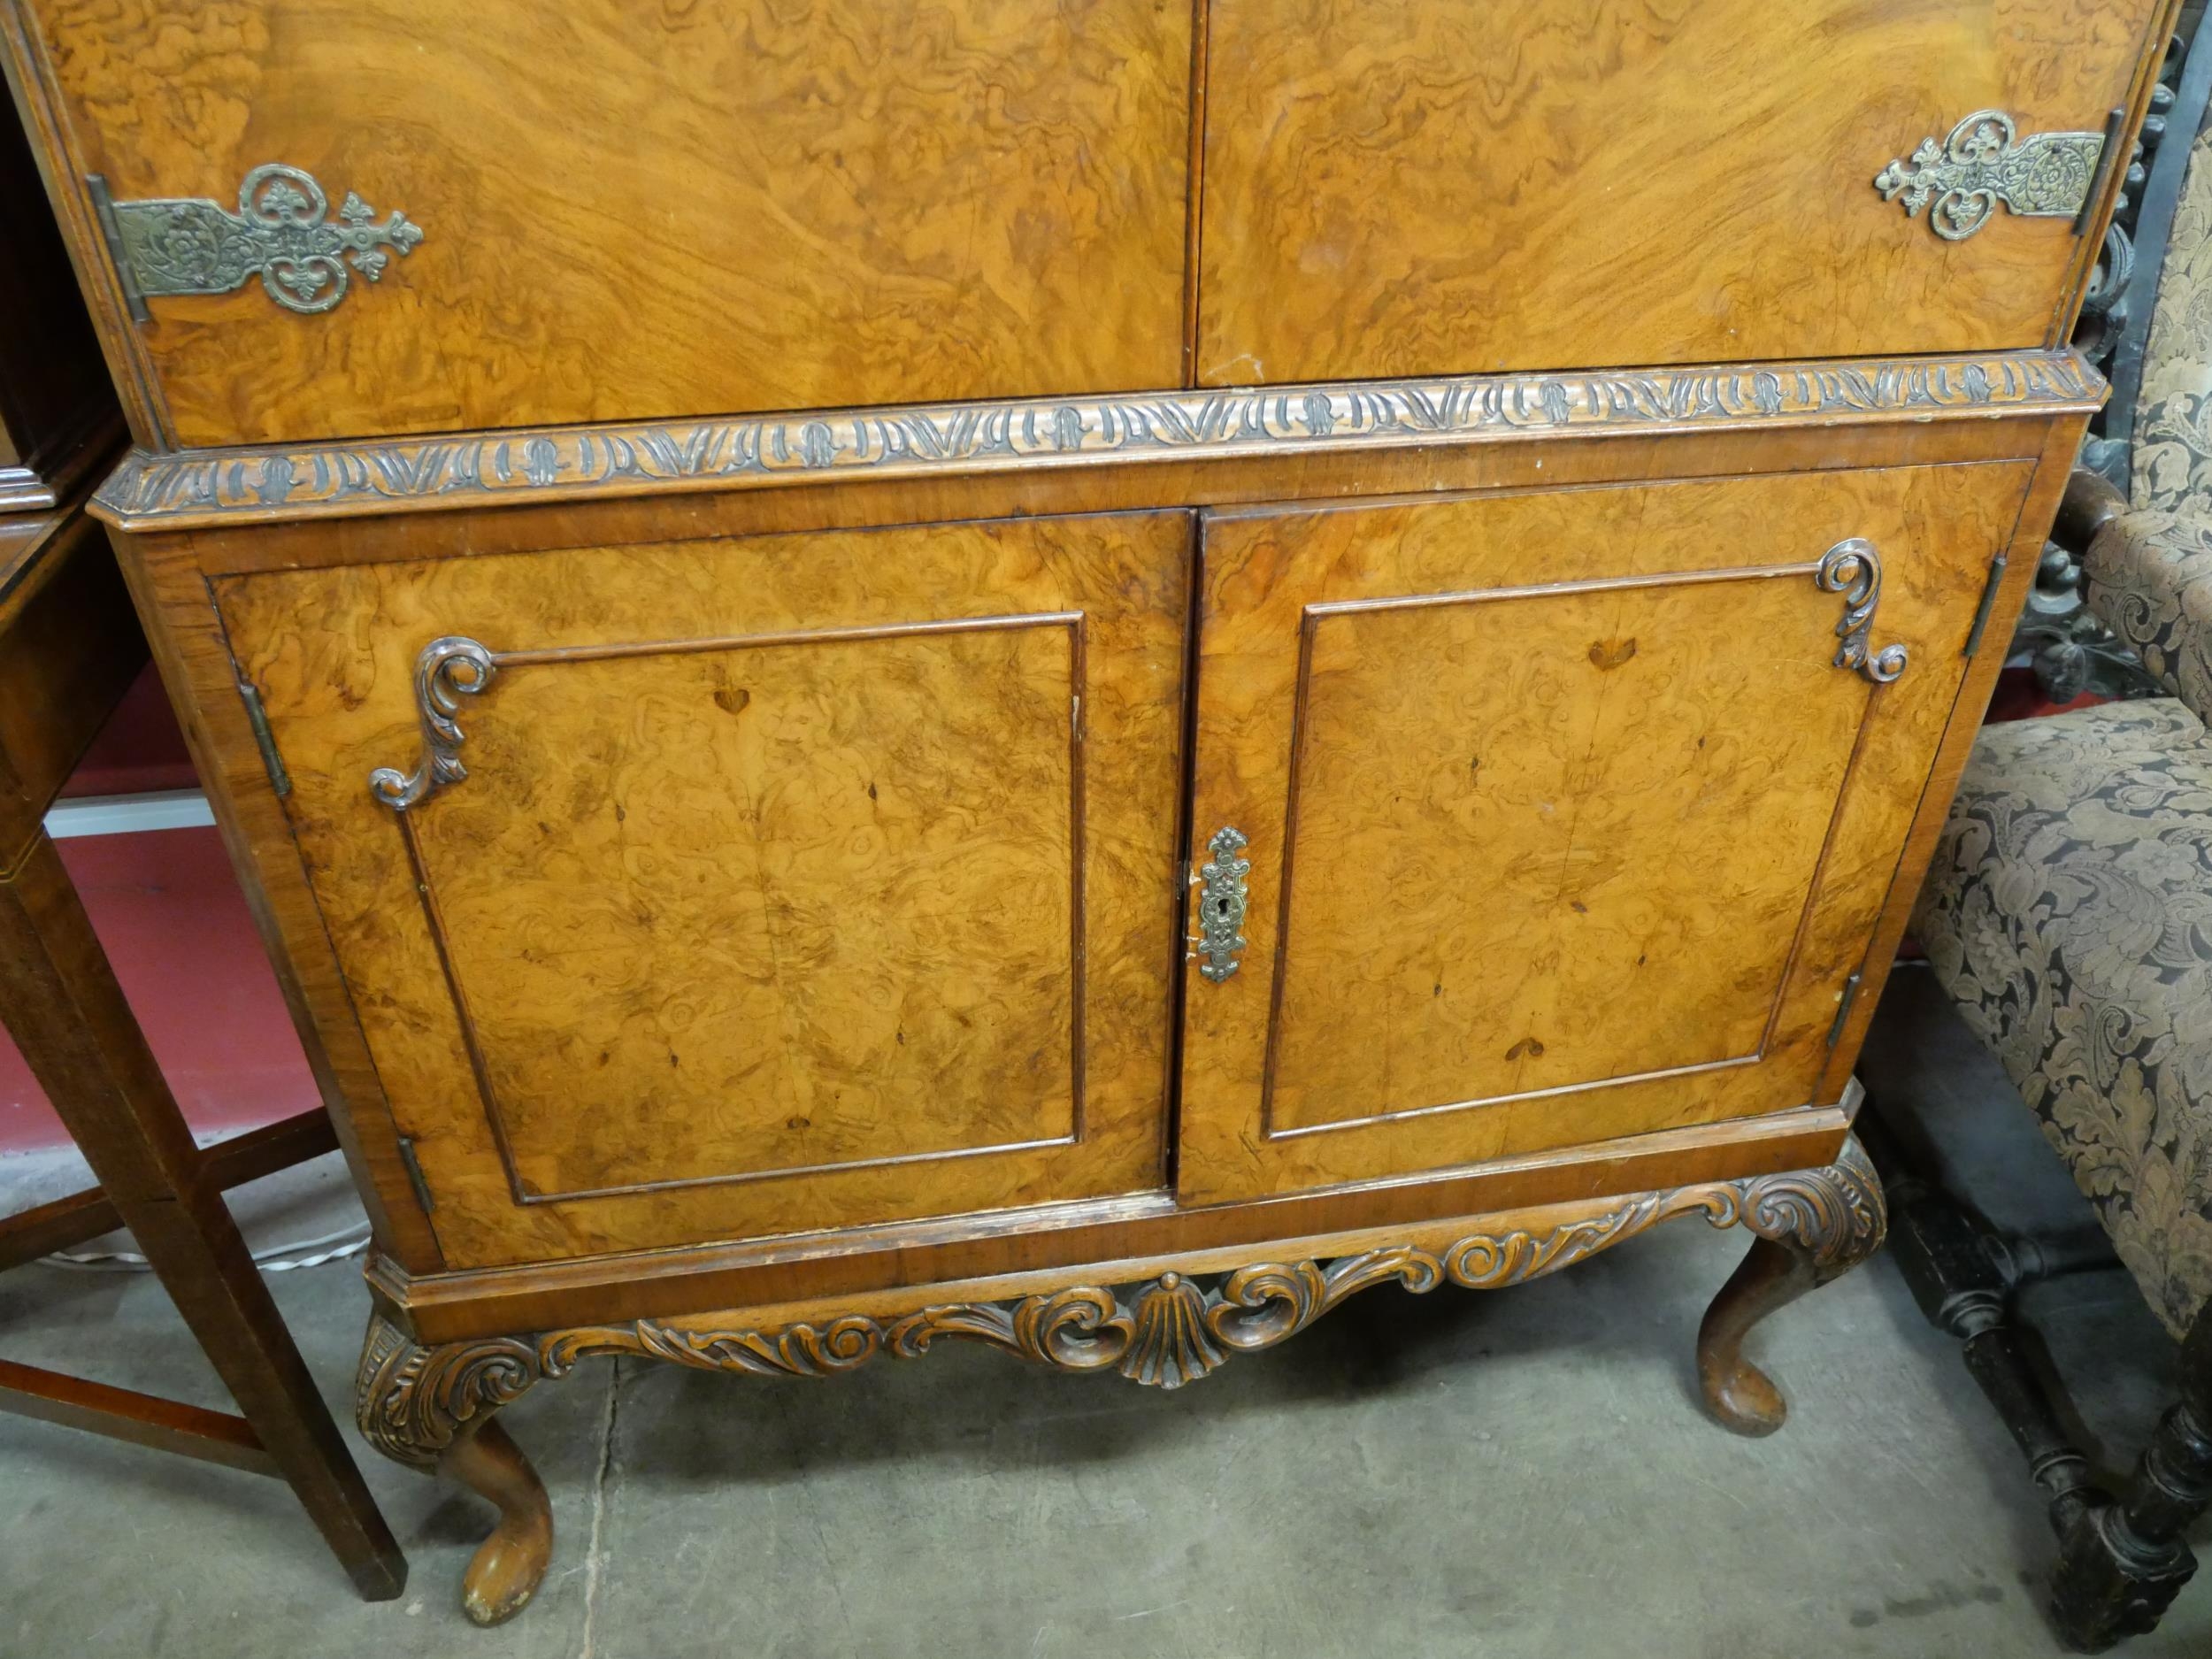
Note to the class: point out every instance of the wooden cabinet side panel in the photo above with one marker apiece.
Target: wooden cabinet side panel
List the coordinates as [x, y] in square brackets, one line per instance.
[2062, 444]
[188, 647]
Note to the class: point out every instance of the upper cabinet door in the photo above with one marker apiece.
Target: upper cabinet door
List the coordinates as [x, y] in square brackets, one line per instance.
[1428, 187]
[1531, 821]
[631, 210]
[724, 888]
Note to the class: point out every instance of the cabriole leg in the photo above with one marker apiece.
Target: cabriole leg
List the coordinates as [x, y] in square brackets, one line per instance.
[1813, 1226]
[431, 1409]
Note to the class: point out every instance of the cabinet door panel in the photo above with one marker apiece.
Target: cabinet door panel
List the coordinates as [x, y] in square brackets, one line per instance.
[791, 882]
[1431, 186]
[1564, 821]
[632, 211]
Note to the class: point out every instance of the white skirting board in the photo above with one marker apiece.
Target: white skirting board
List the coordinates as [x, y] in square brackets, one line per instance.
[126, 814]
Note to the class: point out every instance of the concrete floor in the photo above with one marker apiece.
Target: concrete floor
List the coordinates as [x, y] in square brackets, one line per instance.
[1517, 1474]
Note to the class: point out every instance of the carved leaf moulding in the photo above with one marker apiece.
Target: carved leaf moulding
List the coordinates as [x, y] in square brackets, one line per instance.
[1167, 1332]
[210, 487]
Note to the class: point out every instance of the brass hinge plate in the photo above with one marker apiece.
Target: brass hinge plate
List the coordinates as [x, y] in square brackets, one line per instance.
[1989, 603]
[413, 1166]
[1986, 162]
[281, 233]
[1843, 1007]
[263, 740]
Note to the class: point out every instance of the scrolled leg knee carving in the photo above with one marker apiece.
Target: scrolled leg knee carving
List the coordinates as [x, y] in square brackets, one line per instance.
[1812, 1227]
[431, 1408]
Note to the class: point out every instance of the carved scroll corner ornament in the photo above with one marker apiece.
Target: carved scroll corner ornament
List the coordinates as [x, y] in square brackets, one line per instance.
[410, 1400]
[447, 670]
[1222, 901]
[281, 233]
[1837, 1215]
[1854, 569]
[1985, 163]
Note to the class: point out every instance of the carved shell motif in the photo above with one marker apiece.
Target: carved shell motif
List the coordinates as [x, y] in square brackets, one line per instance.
[1171, 1345]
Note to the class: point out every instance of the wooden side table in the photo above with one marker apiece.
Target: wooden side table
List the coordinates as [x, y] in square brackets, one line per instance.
[69, 647]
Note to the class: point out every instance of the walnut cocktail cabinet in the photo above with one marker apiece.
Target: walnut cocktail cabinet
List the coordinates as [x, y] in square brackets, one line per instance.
[1032, 674]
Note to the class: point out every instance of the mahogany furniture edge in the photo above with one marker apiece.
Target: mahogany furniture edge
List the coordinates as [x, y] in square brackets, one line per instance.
[60, 469]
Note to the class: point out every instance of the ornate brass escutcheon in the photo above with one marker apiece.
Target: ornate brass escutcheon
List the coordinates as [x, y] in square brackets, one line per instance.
[281, 233]
[1984, 162]
[1221, 903]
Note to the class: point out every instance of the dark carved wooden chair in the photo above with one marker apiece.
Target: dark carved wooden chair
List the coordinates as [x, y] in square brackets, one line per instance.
[2068, 916]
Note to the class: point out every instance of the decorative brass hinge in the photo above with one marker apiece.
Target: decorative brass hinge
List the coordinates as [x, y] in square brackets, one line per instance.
[1854, 569]
[1221, 903]
[190, 245]
[1984, 162]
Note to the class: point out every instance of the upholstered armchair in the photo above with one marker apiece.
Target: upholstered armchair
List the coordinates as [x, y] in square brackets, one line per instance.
[2069, 915]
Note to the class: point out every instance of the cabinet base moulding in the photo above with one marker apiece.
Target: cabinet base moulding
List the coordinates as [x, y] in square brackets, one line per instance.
[432, 1406]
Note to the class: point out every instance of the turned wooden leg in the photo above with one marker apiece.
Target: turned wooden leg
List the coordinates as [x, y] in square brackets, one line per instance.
[431, 1409]
[2123, 1562]
[1813, 1226]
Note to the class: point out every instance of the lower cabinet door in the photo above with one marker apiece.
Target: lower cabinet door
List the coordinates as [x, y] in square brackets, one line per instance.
[1532, 820]
[725, 888]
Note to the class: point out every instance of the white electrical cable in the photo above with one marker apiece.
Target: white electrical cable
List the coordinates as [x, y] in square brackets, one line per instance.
[275, 1258]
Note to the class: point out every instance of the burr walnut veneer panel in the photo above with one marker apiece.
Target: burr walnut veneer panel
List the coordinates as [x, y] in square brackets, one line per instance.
[1433, 185]
[1565, 824]
[635, 211]
[791, 877]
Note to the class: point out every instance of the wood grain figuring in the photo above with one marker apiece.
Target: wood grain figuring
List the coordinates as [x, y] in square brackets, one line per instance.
[1505, 871]
[1403, 188]
[771, 918]
[879, 961]
[634, 211]
[1626, 839]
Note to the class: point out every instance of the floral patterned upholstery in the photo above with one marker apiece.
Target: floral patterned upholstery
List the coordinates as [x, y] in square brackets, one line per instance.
[2150, 580]
[2068, 913]
[2172, 457]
